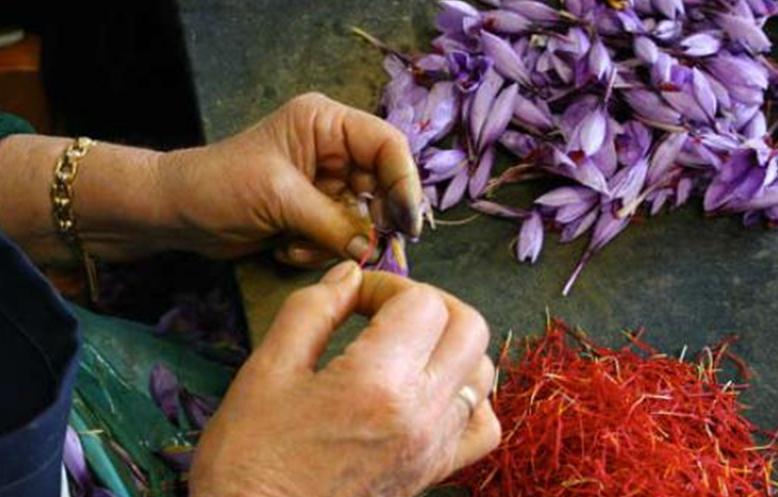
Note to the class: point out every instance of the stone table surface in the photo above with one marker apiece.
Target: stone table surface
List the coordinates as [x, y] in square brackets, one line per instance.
[689, 280]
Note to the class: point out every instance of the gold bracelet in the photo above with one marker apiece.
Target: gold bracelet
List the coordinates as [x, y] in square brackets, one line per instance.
[62, 206]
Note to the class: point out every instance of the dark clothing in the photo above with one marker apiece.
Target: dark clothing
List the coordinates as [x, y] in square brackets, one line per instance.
[39, 343]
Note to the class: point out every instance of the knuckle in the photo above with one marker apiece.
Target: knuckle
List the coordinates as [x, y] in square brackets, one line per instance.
[477, 325]
[309, 98]
[426, 296]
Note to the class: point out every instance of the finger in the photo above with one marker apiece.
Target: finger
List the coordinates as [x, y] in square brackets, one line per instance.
[303, 325]
[303, 255]
[474, 390]
[481, 436]
[325, 221]
[362, 182]
[460, 348]
[403, 333]
[377, 147]
[332, 187]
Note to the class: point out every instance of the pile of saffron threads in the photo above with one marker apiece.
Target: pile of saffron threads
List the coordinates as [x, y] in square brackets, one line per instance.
[583, 420]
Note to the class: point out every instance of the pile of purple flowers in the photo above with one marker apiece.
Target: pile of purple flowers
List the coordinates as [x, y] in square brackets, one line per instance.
[635, 104]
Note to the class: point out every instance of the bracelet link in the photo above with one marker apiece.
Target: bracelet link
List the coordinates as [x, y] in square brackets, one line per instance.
[61, 193]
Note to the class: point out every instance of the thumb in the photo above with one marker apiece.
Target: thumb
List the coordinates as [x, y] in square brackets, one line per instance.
[327, 222]
[301, 329]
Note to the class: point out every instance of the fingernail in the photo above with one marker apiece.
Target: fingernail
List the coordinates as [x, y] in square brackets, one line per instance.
[339, 272]
[359, 246]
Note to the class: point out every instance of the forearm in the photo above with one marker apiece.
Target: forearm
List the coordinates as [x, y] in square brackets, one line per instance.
[117, 199]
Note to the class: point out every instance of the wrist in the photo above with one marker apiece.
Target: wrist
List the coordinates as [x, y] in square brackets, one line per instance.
[116, 199]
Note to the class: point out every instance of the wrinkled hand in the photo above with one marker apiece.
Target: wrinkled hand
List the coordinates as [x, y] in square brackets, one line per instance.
[285, 175]
[384, 418]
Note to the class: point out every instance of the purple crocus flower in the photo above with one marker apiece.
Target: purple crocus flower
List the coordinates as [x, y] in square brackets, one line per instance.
[393, 258]
[632, 104]
[482, 103]
[530, 240]
[497, 119]
[164, 388]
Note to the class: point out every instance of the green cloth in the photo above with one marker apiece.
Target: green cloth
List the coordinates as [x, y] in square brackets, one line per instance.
[12, 125]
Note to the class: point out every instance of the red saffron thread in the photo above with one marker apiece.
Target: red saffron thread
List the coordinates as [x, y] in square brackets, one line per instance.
[580, 419]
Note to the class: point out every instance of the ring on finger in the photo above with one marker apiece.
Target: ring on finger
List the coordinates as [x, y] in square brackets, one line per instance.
[469, 396]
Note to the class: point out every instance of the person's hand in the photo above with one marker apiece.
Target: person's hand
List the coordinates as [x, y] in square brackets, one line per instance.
[385, 418]
[288, 174]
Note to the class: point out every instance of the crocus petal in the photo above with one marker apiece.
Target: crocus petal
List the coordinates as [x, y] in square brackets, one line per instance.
[756, 127]
[482, 173]
[506, 60]
[571, 212]
[665, 154]
[535, 11]
[607, 228]
[163, 387]
[197, 408]
[700, 45]
[443, 161]
[684, 102]
[455, 189]
[573, 230]
[505, 22]
[75, 462]
[482, 102]
[592, 131]
[649, 105]
[438, 115]
[527, 112]
[667, 30]
[498, 118]
[628, 182]
[703, 93]
[452, 13]
[669, 8]
[645, 49]
[520, 144]
[633, 143]
[600, 64]
[744, 30]
[530, 239]
[587, 173]
[564, 195]
[683, 191]
[733, 71]
[393, 258]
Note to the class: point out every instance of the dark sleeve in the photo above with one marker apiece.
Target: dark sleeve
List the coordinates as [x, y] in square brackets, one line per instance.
[39, 344]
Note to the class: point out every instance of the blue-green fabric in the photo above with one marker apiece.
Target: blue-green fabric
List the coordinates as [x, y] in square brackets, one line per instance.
[11, 124]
